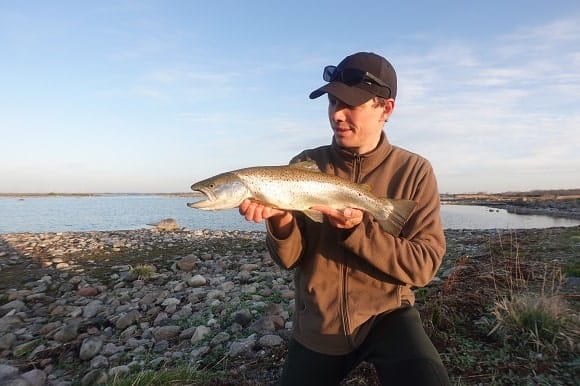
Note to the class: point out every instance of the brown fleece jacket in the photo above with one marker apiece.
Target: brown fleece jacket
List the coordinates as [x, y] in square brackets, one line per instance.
[345, 278]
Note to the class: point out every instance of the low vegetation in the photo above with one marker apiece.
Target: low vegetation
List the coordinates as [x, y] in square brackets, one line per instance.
[509, 318]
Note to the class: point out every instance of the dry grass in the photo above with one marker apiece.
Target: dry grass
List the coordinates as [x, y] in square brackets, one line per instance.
[543, 322]
[501, 319]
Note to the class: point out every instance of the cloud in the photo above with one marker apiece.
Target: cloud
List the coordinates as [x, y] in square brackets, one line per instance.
[506, 108]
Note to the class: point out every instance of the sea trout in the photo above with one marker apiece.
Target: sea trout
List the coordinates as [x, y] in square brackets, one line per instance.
[299, 187]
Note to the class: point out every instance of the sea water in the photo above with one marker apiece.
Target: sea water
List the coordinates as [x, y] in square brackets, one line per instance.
[123, 212]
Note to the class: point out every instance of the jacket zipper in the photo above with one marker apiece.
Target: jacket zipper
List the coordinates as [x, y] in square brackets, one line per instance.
[344, 274]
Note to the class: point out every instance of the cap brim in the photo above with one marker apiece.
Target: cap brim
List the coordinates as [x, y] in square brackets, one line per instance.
[352, 96]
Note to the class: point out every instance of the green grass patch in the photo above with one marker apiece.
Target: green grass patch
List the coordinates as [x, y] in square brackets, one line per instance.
[572, 268]
[181, 375]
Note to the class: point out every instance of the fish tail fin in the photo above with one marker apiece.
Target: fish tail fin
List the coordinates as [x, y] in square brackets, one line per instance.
[396, 216]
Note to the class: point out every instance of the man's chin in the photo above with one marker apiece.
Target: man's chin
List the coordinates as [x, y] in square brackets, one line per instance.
[342, 138]
[342, 142]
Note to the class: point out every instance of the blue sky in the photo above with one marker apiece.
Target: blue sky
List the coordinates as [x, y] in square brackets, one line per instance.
[151, 96]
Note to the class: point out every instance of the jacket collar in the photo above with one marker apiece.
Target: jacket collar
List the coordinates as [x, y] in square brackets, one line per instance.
[346, 161]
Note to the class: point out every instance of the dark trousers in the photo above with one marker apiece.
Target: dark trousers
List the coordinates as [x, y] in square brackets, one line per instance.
[397, 346]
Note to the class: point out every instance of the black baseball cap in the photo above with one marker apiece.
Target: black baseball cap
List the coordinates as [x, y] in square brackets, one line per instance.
[358, 78]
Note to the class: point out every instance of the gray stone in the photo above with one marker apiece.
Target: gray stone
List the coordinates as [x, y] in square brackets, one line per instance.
[242, 346]
[90, 347]
[263, 325]
[50, 327]
[242, 317]
[170, 302]
[16, 381]
[7, 371]
[128, 333]
[220, 338]
[199, 352]
[34, 377]
[249, 267]
[167, 225]
[197, 281]
[68, 332]
[126, 319]
[270, 340]
[95, 377]
[160, 318]
[187, 333]
[187, 263]
[99, 362]
[9, 322]
[16, 305]
[111, 349]
[215, 294]
[160, 346]
[92, 309]
[7, 341]
[200, 333]
[166, 333]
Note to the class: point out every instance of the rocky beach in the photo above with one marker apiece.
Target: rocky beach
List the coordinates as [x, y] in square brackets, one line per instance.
[92, 307]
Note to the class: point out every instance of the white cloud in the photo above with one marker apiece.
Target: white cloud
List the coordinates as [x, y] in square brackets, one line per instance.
[498, 117]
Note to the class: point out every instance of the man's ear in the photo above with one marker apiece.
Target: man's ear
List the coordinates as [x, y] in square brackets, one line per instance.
[388, 108]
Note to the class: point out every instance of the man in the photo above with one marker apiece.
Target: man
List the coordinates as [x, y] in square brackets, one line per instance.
[353, 281]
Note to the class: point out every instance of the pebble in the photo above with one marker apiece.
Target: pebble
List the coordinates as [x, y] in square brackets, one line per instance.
[90, 347]
[120, 322]
[79, 304]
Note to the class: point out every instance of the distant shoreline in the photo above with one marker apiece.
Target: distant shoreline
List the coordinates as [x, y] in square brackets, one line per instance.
[39, 195]
[555, 203]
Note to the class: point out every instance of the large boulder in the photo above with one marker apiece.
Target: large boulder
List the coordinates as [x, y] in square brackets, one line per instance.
[167, 225]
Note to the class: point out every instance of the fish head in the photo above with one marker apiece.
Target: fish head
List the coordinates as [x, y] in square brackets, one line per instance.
[223, 191]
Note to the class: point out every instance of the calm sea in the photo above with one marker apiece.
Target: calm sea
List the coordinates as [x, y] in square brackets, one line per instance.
[120, 212]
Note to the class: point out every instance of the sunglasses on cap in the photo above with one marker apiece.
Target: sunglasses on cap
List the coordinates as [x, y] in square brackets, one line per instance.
[350, 76]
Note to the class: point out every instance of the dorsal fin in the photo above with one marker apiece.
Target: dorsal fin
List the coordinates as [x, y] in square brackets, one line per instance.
[306, 165]
[365, 187]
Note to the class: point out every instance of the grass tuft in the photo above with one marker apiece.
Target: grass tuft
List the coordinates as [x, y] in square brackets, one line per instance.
[144, 271]
[543, 322]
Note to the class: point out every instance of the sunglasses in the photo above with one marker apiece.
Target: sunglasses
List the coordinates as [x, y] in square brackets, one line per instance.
[351, 76]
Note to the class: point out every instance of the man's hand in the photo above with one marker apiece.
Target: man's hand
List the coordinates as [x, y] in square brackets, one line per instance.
[347, 219]
[280, 220]
[256, 212]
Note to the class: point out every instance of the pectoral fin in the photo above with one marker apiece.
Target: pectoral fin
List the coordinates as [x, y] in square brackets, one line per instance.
[314, 215]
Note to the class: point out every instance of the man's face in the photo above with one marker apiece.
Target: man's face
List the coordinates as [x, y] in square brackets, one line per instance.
[358, 128]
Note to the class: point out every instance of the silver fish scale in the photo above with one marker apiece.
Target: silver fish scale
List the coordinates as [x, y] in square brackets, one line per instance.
[299, 190]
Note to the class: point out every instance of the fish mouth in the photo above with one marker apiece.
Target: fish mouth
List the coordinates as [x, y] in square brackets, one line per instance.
[206, 198]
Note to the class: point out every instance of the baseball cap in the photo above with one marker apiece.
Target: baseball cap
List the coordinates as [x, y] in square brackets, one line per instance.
[358, 78]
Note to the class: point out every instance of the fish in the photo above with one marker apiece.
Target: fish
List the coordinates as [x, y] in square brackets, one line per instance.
[299, 187]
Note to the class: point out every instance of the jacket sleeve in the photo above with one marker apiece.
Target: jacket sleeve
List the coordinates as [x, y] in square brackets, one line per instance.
[286, 252]
[414, 256]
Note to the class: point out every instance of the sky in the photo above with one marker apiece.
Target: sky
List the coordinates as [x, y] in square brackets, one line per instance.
[151, 96]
